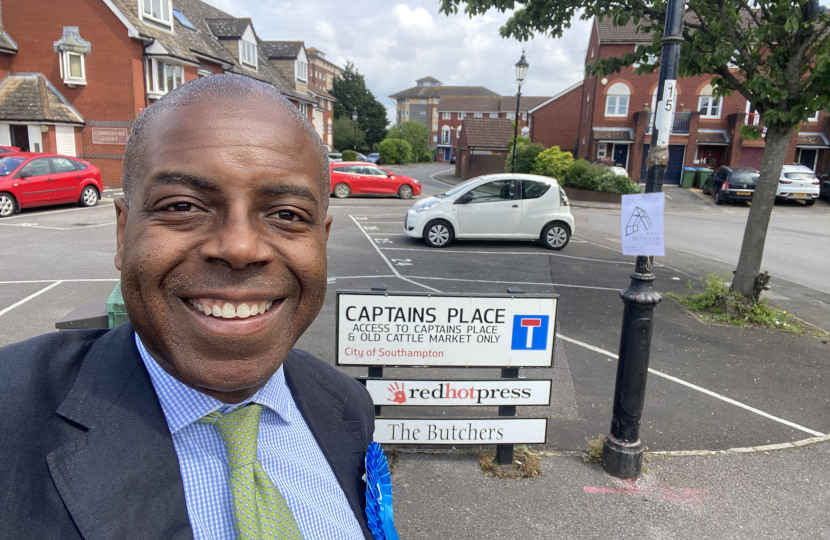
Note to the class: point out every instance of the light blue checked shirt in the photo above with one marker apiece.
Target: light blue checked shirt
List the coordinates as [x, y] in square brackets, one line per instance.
[286, 448]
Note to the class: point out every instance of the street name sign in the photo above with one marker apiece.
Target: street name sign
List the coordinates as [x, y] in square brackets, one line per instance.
[444, 393]
[450, 330]
[461, 431]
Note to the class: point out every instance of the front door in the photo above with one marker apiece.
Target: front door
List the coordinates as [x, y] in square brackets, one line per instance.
[808, 157]
[447, 153]
[20, 136]
[710, 156]
[493, 211]
[621, 155]
[36, 182]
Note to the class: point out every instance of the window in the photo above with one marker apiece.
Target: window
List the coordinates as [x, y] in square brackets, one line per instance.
[434, 126]
[813, 118]
[301, 69]
[405, 113]
[436, 113]
[72, 68]
[616, 104]
[36, 167]
[709, 106]
[511, 116]
[247, 53]
[533, 190]
[304, 109]
[500, 190]
[445, 135]
[329, 126]
[156, 10]
[163, 77]
[458, 133]
[602, 150]
[423, 102]
[478, 115]
[184, 21]
[406, 101]
[494, 115]
[524, 116]
[437, 100]
[62, 165]
[461, 116]
[446, 115]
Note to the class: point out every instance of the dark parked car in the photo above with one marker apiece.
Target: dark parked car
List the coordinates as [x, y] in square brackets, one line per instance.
[730, 184]
[824, 190]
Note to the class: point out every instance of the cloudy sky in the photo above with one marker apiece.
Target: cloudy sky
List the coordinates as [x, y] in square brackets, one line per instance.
[393, 43]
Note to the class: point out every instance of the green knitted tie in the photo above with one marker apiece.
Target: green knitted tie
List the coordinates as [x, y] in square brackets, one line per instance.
[259, 508]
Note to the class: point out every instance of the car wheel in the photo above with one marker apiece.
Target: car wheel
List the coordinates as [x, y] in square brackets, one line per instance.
[718, 199]
[89, 197]
[811, 202]
[7, 205]
[438, 234]
[556, 236]
[705, 190]
[342, 191]
[405, 192]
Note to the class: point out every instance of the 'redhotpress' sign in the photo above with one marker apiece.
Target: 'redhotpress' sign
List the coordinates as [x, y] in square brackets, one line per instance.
[402, 329]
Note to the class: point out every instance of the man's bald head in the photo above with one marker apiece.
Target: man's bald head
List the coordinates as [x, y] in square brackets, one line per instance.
[227, 87]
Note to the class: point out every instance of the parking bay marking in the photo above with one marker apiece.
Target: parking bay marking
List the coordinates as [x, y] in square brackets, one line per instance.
[698, 388]
[21, 302]
[36, 226]
[49, 213]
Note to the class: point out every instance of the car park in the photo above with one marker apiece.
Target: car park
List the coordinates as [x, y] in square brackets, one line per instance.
[731, 184]
[335, 156]
[495, 207]
[798, 182]
[361, 157]
[34, 179]
[362, 178]
[374, 157]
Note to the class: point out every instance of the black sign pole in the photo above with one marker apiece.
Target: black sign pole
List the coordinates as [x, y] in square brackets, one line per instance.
[622, 451]
[504, 452]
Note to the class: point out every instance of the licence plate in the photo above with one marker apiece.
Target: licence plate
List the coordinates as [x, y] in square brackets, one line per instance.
[799, 194]
[743, 193]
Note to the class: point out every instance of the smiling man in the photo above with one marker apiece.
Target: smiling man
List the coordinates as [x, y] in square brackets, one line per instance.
[197, 419]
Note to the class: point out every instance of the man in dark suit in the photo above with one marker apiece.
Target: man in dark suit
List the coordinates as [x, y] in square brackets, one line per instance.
[221, 246]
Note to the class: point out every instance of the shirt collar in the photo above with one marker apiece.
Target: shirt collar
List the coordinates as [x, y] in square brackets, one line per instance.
[183, 405]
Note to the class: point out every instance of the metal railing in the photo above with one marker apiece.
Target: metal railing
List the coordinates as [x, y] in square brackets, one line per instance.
[753, 119]
[680, 123]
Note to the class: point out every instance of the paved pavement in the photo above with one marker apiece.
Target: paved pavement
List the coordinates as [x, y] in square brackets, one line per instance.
[712, 388]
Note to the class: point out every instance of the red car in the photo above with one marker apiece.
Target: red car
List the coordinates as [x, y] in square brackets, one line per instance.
[364, 178]
[6, 150]
[33, 179]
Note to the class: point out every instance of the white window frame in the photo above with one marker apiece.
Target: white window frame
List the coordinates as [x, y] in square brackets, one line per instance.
[437, 101]
[304, 109]
[406, 101]
[301, 70]
[617, 102]
[461, 116]
[813, 118]
[478, 115]
[64, 65]
[524, 116]
[494, 115]
[445, 135]
[434, 126]
[511, 116]
[446, 116]
[423, 102]
[329, 126]
[602, 150]
[712, 104]
[248, 53]
[168, 22]
[154, 88]
[405, 113]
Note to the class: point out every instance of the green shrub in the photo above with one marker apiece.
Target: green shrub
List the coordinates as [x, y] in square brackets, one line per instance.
[553, 162]
[589, 176]
[395, 152]
[526, 153]
[426, 156]
[349, 155]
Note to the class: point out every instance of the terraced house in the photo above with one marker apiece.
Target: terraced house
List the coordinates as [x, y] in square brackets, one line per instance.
[611, 117]
[74, 74]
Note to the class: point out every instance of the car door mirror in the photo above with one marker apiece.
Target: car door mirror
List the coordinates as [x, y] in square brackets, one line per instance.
[464, 199]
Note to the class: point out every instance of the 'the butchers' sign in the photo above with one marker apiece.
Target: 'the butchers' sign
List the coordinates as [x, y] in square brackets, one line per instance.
[489, 431]
[380, 329]
[444, 393]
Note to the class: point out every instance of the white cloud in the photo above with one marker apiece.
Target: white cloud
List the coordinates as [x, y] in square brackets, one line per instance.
[393, 44]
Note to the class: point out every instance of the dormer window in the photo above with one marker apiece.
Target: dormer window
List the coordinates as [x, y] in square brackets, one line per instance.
[301, 69]
[247, 53]
[156, 10]
[71, 49]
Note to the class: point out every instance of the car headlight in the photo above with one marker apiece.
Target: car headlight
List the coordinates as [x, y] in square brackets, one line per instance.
[425, 205]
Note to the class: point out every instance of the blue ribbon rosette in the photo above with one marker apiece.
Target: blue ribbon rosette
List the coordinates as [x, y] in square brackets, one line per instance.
[379, 495]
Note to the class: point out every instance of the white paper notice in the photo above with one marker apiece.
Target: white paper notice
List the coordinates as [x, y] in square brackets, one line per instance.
[642, 224]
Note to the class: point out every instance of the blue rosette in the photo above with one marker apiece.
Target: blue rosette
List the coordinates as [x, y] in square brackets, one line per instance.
[379, 495]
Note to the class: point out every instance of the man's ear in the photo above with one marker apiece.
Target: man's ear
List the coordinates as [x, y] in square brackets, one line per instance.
[327, 225]
[121, 212]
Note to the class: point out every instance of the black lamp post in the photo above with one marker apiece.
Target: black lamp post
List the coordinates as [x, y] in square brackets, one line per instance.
[521, 73]
[354, 131]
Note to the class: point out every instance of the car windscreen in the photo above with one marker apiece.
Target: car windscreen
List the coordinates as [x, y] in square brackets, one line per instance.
[9, 164]
[745, 176]
[457, 189]
[800, 176]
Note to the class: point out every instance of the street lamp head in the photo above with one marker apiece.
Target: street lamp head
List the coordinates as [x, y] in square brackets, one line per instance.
[521, 69]
[354, 115]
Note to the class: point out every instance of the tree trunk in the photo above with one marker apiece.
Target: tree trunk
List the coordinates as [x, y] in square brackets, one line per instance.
[777, 140]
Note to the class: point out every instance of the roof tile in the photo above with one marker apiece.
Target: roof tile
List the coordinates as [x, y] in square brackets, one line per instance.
[487, 132]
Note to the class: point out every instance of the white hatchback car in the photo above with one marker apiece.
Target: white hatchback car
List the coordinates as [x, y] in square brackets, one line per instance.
[495, 207]
[798, 182]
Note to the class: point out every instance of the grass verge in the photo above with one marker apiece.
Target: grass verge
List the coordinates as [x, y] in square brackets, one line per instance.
[718, 304]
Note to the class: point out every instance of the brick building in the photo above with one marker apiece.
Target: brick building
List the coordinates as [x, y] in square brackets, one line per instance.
[74, 74]
[482, 146]
[452, 111]
[420, 103]
[323, 71]
[615, 117]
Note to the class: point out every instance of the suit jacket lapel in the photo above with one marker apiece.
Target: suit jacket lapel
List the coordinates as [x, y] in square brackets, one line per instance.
[342, 441]
[120, 477]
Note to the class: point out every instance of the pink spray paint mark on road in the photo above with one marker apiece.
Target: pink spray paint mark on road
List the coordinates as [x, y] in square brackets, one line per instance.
[685, 495]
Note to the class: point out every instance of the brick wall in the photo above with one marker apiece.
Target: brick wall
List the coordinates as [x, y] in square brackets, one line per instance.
[557, 123]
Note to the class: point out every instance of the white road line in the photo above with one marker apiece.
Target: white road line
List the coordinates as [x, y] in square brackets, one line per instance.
[520, 283]
[381, 222]
[508, 253]
[699, 389]
[59, 281]
[360, 277]
[43, 290]
[388, 262]
[48, 213]
[26, 226]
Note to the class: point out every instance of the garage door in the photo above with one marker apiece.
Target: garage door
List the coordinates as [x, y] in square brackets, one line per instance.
[674, 170]
[751, 157]
[66, 140]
